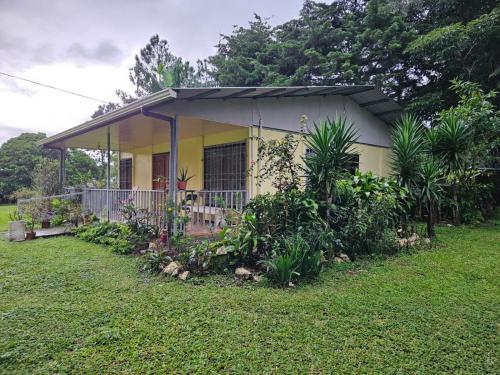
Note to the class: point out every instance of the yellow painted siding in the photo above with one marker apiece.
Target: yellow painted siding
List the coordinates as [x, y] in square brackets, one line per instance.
[190, 156]
[372, 158]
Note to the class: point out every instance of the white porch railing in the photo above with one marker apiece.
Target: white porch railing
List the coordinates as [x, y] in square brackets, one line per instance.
[102, 202]
[212, 207]
[203, 207]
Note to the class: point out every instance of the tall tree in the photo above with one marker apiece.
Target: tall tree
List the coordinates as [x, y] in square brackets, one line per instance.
[18, 158]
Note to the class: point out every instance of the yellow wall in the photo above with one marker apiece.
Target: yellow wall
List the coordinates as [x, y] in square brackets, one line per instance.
[372, 158]
[190, 156]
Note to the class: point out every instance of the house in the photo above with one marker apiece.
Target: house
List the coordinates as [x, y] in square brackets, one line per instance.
[212, 132]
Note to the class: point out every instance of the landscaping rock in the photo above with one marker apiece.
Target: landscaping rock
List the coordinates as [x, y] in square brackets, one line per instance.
[172, 269]
[338, 260]
[221, 251]
[242, 273]
[413, 238]
[344, 257]
[184, 275]
[153, 245]
[257, 278]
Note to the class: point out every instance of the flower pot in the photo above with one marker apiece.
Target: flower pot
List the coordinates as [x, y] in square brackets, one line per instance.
[163, 237]
[45, 224]
[30, 235]
[181, 185]
[16, 230]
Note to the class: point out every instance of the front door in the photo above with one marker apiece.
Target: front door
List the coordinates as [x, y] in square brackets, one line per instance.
[160, 171]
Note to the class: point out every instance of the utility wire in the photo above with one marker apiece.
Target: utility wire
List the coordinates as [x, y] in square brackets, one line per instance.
[54, 88]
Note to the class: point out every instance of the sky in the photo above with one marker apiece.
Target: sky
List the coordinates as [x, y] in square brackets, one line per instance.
[88, 46]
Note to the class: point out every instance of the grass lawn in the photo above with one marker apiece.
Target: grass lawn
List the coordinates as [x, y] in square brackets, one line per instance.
[4, 216]
[70, 306]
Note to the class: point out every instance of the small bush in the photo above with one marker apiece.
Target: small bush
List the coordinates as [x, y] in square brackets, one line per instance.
[294, 260]
[119, 237]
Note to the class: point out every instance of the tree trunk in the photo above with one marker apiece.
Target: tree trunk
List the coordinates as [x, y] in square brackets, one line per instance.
[455, 213]
[430, 220]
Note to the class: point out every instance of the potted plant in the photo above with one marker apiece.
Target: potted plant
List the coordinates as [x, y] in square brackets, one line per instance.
[17, 227]
[183, 179]
[32, 217]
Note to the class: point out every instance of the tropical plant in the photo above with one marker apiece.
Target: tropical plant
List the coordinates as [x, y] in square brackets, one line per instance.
[330, 145]
[407, 150]
[451, 144]
[183, 175]
[294, 259]
[277, 160]
[431, 187]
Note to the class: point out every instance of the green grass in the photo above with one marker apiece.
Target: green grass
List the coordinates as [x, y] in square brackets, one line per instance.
[4, 216]
[69, 306]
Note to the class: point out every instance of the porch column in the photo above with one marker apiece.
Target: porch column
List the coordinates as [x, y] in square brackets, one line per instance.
[108, 174]
[172, 170]
[62, 169]
[62, 172]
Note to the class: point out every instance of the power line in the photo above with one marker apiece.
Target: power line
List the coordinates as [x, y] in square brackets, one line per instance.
[53, 87]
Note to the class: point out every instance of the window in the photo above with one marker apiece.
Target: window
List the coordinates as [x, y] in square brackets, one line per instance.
[224, 167]
[126, 173]
[160, 171]
[354, 163]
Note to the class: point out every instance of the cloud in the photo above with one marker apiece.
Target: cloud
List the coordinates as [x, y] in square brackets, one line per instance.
[7, 132]
[105, 52]
[8, 84]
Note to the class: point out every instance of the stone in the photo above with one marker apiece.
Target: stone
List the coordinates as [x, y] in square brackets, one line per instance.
[171, 268]
[338, 260]
[184, 275]
[413, 238]
[242, 273]
[257, 278]
[221, 251]
[344, 257]
[291, 285]
[153, 245]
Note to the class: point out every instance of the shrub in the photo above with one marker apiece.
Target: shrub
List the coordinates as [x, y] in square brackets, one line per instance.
[368, 210]
[293, 260]
[267, 220]
[119, 237]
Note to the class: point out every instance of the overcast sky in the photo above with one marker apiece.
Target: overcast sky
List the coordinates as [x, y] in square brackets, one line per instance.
[87, 46]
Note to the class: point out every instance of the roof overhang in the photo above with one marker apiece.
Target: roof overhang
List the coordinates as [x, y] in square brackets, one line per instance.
[366, 96]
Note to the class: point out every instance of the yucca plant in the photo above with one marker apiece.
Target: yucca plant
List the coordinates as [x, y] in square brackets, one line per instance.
[408, 147]
[450, 142]
[330, 146]
[431, 182]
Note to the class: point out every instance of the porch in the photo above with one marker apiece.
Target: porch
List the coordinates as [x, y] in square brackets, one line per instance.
[205, 210]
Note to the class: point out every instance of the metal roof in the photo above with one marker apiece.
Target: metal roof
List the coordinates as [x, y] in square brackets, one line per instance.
[366, 96]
